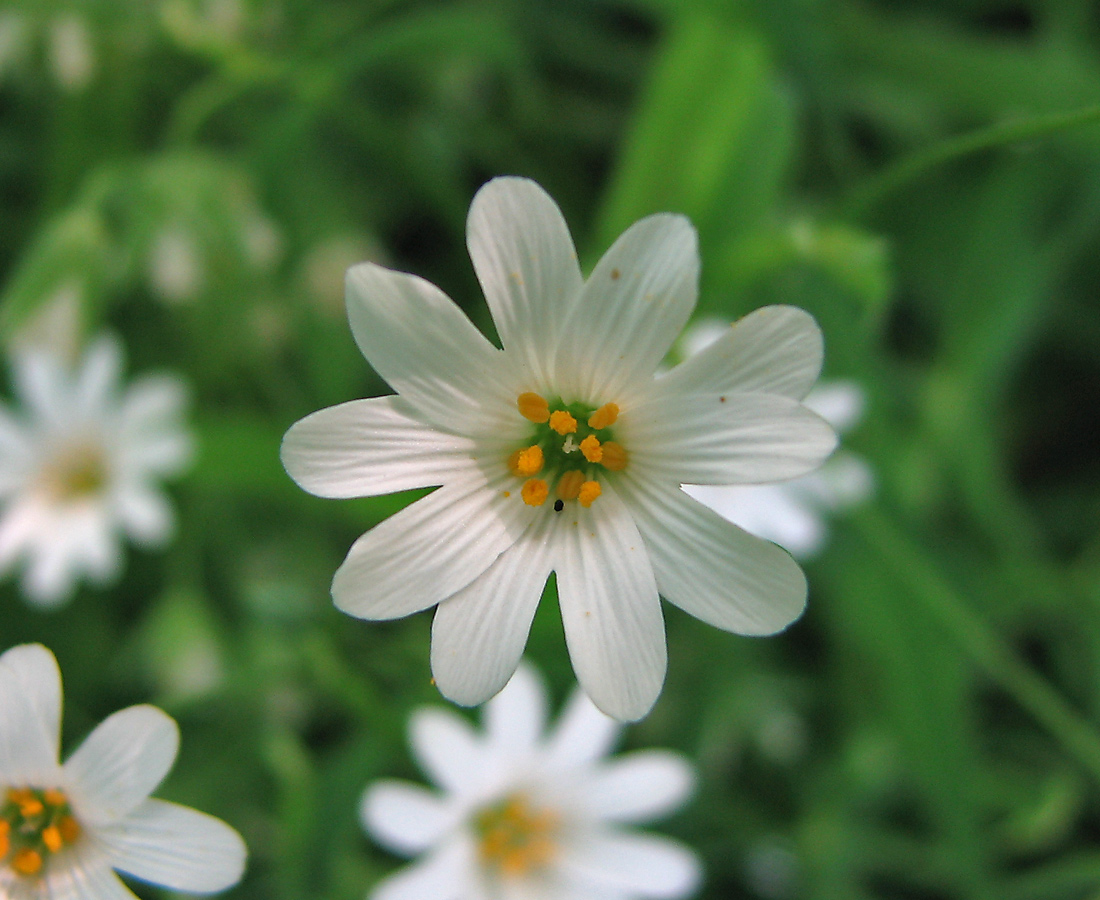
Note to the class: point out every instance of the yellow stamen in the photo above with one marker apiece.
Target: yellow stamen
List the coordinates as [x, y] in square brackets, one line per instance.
[51, 837]
[563, 422]
[524, 463]
[590, 490]
[27, 862]
[569, 485]
[54, 797]
[5, 841]
[604, 416]
[19, 796]
[533, 408]
[591, 448]
[535, 491]
[614, 456]
[69, 828]
[30, 807]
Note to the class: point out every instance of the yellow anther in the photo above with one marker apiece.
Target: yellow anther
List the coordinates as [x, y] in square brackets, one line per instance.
[5, 840]
[30, 807]
[54, 797]
[27, 862]
[563, 422]
[569, 485]
[527, 462]
[535, 491]
[591, 448]
[604, 416]
[614, 456]
[69, 828]
[533, 408]
[19, 795]
[590, 490]
[51, 837]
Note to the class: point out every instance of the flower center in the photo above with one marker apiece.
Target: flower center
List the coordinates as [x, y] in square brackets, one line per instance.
[514, 838]
[570, 445]
[77, 472]
[34, 824]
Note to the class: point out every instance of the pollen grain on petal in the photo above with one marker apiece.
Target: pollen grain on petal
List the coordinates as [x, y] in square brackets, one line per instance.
[615, 456]
[605, 416]
[591, 449]
[535, 491]
[533, 407]
[589, 491]
[563, 422]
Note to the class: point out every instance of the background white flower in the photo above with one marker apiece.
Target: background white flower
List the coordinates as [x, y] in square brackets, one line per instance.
[562, 452]
[80, 462]
[525, 816]
[64, 828]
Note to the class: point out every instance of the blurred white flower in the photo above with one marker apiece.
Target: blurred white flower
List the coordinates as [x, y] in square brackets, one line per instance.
[65, 828]
[79, 466]
[520, 815]
[793, 513]
[69, 51]
[176, 270]
[563, 453]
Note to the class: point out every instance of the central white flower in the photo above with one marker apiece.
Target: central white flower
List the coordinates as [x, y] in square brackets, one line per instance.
[562, 452]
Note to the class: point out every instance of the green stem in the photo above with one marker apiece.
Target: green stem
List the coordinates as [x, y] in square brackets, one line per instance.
[984, 646]
[911, 167]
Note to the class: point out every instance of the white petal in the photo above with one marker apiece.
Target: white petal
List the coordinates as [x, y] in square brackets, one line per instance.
[525, 261]
[430, 549]
[22, 521]
[773, 350]
[42, 386]
[775, 512]
[145, 514]
[479, 633]
[639, 786]
[610, 608]
[52, 570]
[176, 847]
[840, 403]
[443, 875]
[423, 345]
[582, 735]
[631, 310]
[120, 763]
[642, 865]
[369, 447]
[153, 403]
[725, 438]
[165, 452]
[405, 818]
[30, 715]
[514, 718]
[97, 380]
[712, 569]
[85, 875]
[448, 749]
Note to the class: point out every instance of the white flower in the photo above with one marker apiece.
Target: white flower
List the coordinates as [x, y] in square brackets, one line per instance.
[63, 828]
[79, 465]
[562, 452]
[522, 816]
[793, 514]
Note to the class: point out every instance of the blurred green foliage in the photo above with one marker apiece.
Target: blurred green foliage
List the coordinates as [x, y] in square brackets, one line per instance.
[196, 175]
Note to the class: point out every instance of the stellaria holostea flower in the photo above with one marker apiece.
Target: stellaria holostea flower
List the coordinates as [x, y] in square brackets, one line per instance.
[64, 828]
[562, 452]
[79, 464]
[527, 815]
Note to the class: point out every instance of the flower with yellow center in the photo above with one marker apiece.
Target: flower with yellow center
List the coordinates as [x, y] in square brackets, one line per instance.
[80, 465]
[65, 828]
[563, 451]
[520, 813]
